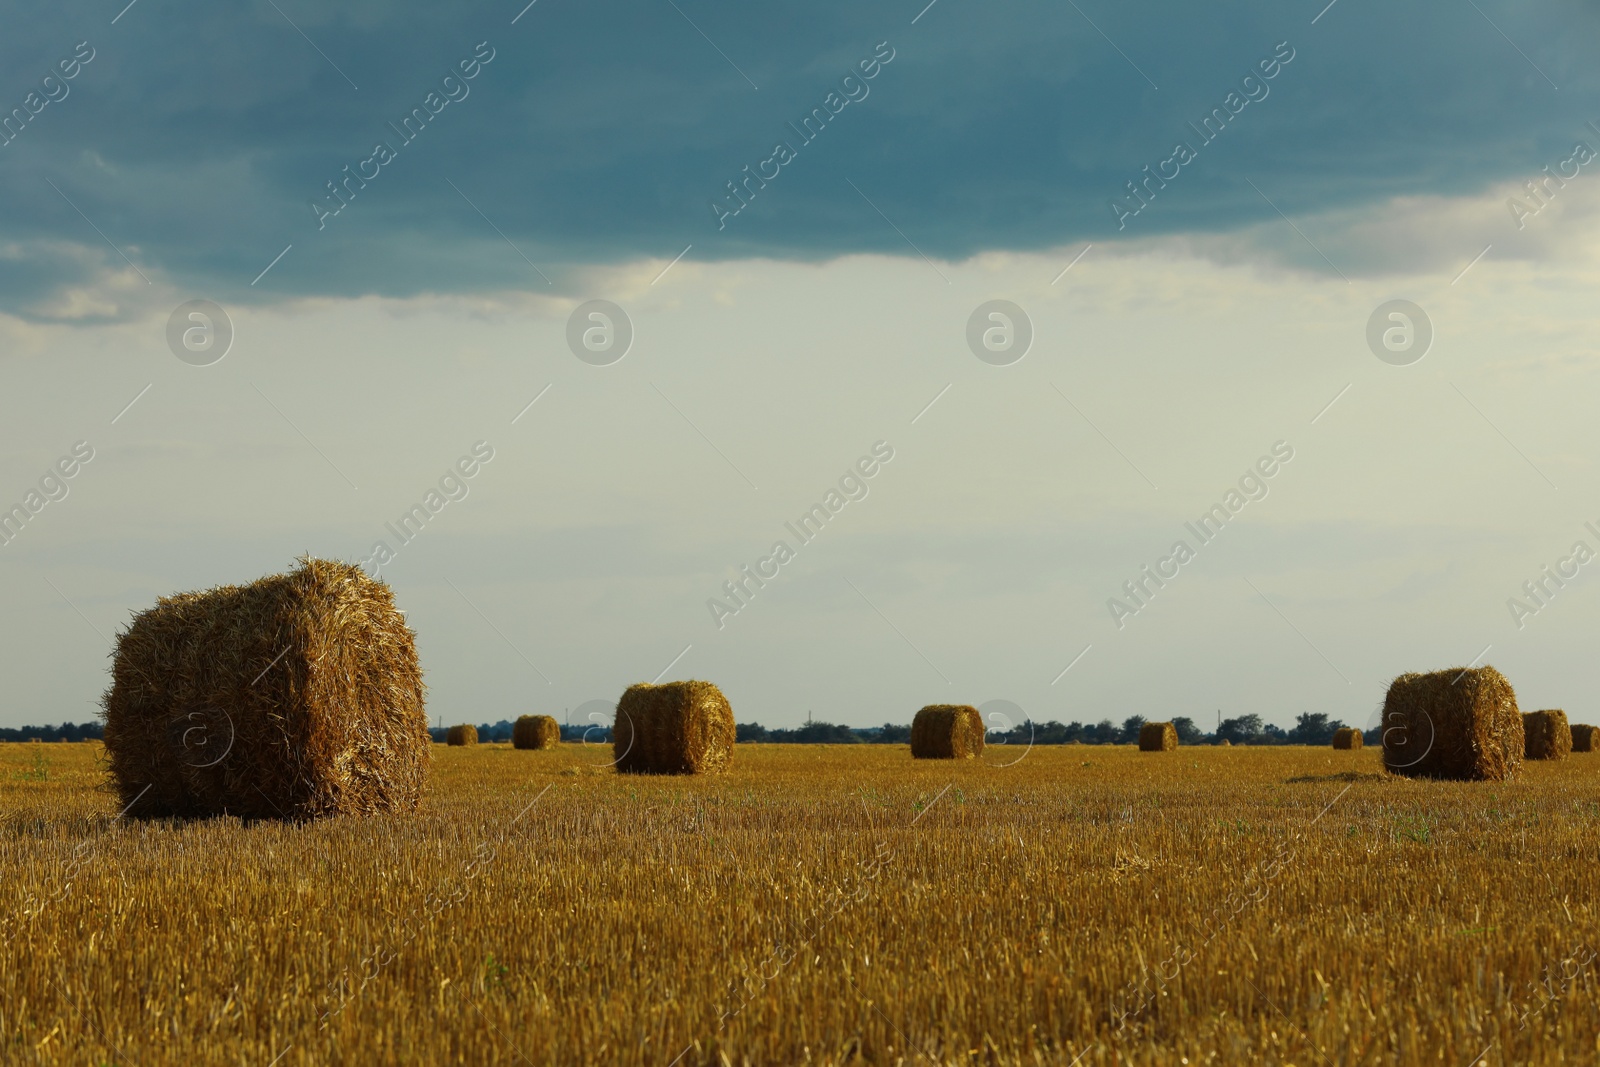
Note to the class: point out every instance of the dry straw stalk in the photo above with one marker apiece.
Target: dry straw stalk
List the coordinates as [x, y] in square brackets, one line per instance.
[676, 728]
[1461, 723]
[296, 696]
[1158, 737]
[947, 731]
[535, 732]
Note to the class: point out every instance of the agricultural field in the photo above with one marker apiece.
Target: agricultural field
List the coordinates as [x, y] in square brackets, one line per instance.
[818, 904]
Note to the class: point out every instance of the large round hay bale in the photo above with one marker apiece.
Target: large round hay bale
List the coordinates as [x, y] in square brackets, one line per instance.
[536, 732]
[462, 734]
[296, 696]
[947, 731]
[1460, 724]
[676, 728]
[1347, 737]
[1585, 738]
[1158, 737]
[1546, 735]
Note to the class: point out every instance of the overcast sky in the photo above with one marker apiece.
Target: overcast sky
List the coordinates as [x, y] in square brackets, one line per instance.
[1224, 320]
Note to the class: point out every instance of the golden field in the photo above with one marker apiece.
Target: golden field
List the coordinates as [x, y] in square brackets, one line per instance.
[818, 905]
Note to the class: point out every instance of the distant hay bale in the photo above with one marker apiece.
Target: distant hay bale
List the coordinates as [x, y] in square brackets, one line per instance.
[947, 731]
[676, 728]
[296, 696]
[1348, 737]
[1225, 743]
[1547, 735]
[1585, 738]
[1460, 724]
[1158, 737]
[464, 734]
[536, 732]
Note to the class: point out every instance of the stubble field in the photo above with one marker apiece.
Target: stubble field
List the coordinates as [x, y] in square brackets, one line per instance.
[1088, 904]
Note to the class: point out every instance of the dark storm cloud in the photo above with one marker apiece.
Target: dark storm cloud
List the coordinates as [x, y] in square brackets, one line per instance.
[197, 138]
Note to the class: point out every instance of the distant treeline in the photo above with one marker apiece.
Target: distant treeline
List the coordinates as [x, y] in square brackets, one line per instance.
[1309, 729]
[89, 731]
[1246, 730]
[501, 731]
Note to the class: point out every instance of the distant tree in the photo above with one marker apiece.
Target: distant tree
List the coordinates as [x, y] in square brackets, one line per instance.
[500, 731]
[1272, 735]
[1188, 732]
[1104, 732]
[1244, 730]
[812, 733]
[1020, 734]
[1130, 729]
[1053, 733]
[89, 731]
[817, 733]
[1313, 729]
[893, 734]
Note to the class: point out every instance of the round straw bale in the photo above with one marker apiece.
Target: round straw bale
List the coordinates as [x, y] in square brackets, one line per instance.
[1547, 735]
[296, 696]
[947, 731]
[1158, 737]
[1347, 737]
[535, 731]
[675, 728]
[1225, 743]
[1460, 724]
[463, 734]
[1585, 738]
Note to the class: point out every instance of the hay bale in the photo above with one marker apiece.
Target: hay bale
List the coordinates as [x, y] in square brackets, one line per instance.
[1158, 737]
[1348, 737]
[1546, 734]
[947, 731]
[676, 728]
[296, 696]
[1585, 738]
[1225, 743]
[1460, 724]
[535, 732]
[463, 734]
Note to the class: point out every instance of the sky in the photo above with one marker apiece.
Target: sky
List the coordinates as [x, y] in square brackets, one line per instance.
[1065, 278]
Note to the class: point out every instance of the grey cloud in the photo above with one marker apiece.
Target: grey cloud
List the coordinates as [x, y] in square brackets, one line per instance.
[198, 135]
